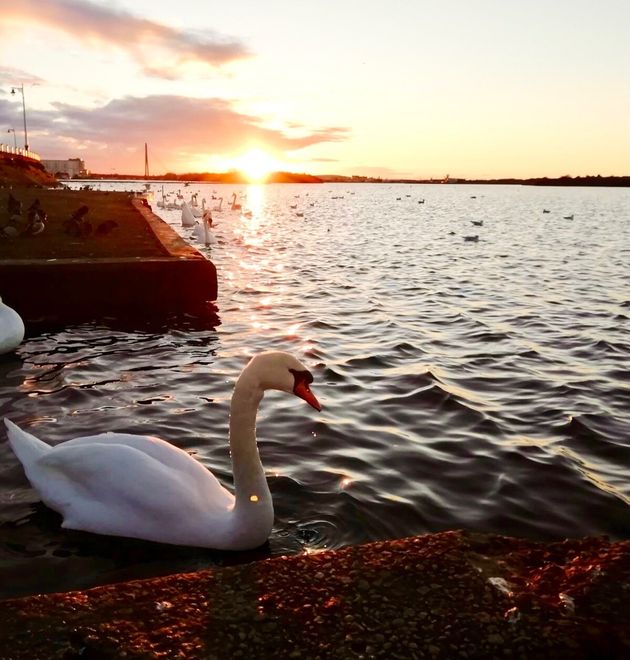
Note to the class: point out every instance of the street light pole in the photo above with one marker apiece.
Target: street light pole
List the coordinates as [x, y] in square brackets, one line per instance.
[21, 90]
[12, 130]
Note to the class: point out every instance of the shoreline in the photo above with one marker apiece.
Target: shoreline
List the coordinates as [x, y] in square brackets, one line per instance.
[139, 267]
[444, 595]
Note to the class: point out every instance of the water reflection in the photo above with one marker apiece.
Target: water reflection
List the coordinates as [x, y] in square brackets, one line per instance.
[480, 386]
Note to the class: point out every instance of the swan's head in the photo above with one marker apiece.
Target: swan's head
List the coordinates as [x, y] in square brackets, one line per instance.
[277, 370]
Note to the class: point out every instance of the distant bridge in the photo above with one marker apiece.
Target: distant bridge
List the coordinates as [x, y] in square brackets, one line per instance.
[11, 152]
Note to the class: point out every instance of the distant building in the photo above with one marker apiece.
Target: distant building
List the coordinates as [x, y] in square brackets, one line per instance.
[66, 169]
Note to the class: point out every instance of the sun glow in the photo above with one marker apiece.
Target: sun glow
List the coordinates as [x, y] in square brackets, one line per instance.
[256, 164]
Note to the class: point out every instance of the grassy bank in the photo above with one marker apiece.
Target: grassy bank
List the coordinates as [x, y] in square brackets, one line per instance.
[131, 237]
[15, 171]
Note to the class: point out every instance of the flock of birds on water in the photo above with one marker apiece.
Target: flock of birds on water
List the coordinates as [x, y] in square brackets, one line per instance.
[76, 477]
[201, 230]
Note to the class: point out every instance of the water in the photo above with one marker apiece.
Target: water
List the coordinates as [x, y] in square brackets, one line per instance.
[478, 385]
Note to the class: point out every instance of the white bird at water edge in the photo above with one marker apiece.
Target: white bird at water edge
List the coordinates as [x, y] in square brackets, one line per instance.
[11, 328]
[201, 230]
[138, 486]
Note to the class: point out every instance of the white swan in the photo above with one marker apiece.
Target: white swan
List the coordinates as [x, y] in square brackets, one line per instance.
[201, 230]
[11, 328]
[234, 206]
[188, 219]
[194, 207]
[143, 487]
[217, 207]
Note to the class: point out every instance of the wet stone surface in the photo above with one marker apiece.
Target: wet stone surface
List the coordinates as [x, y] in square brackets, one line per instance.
[448, 595]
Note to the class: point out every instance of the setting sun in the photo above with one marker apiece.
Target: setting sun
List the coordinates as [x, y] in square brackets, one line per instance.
[256, 164]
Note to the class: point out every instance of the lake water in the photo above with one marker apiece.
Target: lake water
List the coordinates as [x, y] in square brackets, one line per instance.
[482, 385]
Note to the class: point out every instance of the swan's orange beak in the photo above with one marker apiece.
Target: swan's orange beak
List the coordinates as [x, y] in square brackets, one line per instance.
[302, 390]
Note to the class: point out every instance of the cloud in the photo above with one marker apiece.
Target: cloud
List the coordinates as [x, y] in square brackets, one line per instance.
[182, 130]
[159, 49]
[13, 76]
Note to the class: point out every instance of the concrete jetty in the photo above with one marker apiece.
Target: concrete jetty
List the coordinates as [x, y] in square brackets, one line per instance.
[141, 267]
[446, 595]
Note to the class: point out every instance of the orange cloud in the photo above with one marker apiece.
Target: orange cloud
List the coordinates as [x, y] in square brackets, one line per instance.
[178, 128]
[143, 39]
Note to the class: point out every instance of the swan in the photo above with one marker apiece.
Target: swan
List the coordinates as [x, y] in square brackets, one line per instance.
[188, 219]
[194, 207]
[217, 207]
[201, 230]
[235, 206]
[11, 328]
[138, 486]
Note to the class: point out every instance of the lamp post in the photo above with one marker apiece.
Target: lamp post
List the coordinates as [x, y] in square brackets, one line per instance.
[21, 90]
[12, 130]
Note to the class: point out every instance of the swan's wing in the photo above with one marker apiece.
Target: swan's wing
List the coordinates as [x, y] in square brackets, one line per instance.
[160, 450]
[120, 490]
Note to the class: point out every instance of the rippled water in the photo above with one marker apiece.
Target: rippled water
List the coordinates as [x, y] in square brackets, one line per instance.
[479, 385]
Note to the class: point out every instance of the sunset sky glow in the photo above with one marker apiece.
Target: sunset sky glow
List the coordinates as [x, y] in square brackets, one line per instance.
[483, 88]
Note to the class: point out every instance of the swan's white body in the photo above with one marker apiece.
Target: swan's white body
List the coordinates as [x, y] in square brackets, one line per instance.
[201, 231]
[11, 329]
[194, 207]
[217, 207]
[234, 206]
[143, 487]
[188, 219]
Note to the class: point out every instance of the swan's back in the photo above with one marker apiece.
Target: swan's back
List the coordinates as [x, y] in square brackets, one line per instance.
[11, 328]
[127, 485]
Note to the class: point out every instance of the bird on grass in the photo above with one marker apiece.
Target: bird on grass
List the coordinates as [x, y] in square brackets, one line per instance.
[36, 219]
[105, 228]
[77, 224]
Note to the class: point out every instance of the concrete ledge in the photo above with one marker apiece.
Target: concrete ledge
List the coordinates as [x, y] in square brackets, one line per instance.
[447, 595]
[75, 290]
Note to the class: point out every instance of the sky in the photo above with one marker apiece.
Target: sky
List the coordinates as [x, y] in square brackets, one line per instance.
[402, 88]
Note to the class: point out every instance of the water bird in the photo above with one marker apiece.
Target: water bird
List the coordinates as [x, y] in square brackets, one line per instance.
[14, 206]
[546, 211]
[77, 224]
[217, 207]
[120, 484]
[188, 219]
[421, 201]
[477, 223]
[194, 207]
[234, 206]
[105, 228]
[472, 239]
[38, 224]
[247, 214]
[201, 230]
[300, 214]
[568, 217]
[11, 329]
[36, 219]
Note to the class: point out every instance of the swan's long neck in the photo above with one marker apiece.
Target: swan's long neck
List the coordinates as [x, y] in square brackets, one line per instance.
[251, 489]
